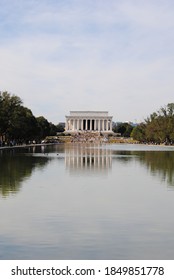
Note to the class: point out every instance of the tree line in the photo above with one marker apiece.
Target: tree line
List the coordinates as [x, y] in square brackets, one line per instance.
[18, 124]
[158, 128]
[123, 129]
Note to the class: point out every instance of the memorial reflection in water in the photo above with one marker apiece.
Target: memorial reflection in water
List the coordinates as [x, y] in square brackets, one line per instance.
[90, 159]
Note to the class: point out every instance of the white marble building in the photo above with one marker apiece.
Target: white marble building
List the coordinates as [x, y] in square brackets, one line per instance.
[93, 121]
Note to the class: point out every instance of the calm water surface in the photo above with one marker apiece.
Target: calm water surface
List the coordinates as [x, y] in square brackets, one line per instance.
[87, 202]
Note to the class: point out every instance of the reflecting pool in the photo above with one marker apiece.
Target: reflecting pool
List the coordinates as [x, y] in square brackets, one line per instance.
[82, 201]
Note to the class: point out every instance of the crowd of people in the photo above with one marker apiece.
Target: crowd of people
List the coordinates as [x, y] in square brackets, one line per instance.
[87, 136]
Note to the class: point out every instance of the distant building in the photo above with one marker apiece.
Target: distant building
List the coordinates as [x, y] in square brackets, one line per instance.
[94, 121]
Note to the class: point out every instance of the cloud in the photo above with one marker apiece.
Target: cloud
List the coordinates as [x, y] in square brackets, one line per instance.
[104, 55]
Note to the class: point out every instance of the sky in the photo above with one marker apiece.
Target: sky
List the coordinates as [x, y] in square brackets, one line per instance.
[65, 55]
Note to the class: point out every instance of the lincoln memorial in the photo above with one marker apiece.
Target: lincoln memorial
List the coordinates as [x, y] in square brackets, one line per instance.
[93, 121]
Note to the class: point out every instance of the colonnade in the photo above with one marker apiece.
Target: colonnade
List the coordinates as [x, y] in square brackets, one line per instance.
[88, 124]
[98, 121]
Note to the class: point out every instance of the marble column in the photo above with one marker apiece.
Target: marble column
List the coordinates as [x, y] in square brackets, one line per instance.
[103, 125]
[73, 124]
[110, 125]
[107, 125]
[95, 124]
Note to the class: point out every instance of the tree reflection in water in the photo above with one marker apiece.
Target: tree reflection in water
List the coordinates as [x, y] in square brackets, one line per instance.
[18, 165]
[159, 163]
[15, 168]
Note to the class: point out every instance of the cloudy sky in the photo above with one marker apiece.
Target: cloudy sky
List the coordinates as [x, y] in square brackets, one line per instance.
[114, 55]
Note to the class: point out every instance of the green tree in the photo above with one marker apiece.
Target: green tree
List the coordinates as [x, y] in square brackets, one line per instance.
[138, 132]
[43, 127]
[53, 129]
[158, 127]
[124, 129]
[8, 104]
[24, 125]
[60, 128]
